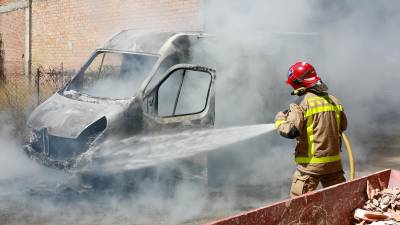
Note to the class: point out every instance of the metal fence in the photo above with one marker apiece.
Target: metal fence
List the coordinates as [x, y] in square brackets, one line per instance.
[18, 97]
[49, 80]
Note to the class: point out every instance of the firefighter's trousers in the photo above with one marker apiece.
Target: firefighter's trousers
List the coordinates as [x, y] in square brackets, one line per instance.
[303, 182]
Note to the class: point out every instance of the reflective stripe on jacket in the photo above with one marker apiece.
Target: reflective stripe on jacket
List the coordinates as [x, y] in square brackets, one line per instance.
[317, 124]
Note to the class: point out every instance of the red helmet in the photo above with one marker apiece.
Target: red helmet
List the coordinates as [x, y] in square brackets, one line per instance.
[302, 74]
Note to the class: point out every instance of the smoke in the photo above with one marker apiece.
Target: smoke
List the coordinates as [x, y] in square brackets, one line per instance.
[10, 154]
[361, 64]
[166, 193]
[361, 61]
[31, 194]
[352, 44]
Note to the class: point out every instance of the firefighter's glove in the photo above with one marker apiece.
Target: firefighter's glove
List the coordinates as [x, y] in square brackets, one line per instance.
[281, 115]
[280, 118]
[288, 125]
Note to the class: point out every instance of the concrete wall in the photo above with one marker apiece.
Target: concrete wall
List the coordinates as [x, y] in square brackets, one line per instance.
[67, 31]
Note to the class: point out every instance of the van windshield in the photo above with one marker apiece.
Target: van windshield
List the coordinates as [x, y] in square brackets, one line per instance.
[113, 75]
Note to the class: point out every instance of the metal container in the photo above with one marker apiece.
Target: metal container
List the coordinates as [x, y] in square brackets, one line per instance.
[332, 206]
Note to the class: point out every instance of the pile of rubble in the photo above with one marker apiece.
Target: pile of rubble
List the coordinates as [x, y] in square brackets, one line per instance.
[382, 207]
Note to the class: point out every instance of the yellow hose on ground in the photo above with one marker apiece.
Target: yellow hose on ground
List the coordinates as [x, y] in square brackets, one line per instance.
[350, 152]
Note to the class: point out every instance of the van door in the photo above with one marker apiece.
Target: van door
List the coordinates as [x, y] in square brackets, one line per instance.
[184, 98]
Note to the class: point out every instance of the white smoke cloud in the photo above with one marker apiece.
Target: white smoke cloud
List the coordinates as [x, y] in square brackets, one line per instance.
[12, 161]
[352, 44]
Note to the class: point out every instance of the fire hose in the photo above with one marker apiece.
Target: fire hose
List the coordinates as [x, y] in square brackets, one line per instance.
[350, 153]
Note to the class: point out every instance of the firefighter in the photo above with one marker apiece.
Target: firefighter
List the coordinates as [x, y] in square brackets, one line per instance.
[317, 122]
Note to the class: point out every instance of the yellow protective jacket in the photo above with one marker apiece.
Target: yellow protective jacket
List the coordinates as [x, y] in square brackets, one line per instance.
[317, 123]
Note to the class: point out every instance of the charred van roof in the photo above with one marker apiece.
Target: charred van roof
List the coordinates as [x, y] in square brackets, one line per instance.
[146, 42]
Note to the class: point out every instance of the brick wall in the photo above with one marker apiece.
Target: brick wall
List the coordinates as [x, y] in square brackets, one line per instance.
[12, 28]
[67, 31]
[3, 2]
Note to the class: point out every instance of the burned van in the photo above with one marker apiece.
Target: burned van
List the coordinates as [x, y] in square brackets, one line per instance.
[165, 81]
[136, 83]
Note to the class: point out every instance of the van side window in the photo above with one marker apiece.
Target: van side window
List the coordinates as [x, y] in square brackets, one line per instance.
[168, 94]
[184, 92]
[194, 93]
